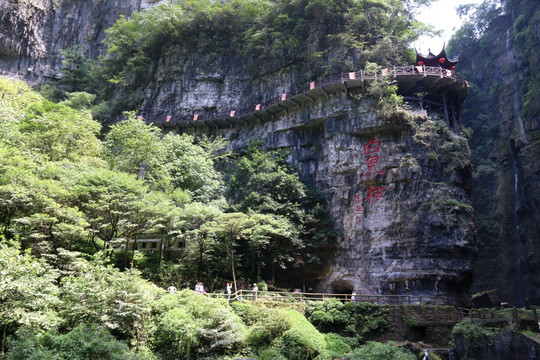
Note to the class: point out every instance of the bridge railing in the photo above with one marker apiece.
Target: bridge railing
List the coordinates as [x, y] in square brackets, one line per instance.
[279, 296]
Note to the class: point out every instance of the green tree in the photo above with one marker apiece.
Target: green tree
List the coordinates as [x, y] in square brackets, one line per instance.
[203, 257]
[230, 229]
[189, 325]
[272, 235]
[263, 182]
[191, 166]
[28, 291]
[99, 294]
[135, 147]
[108, 199]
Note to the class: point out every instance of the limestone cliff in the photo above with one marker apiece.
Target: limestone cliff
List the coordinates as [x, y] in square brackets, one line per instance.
[406, 221]
[397, 186]
[504, 113]
[33, 31]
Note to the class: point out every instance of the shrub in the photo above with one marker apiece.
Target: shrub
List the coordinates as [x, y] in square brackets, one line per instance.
[285, 333]
[302, 341]
[475, 334]
[248, 312]
[331, 315]
[336, 345]
[379, 351]
[272, 353]
[177, 334]
[83, 342]
[272, 325]
[191, 325]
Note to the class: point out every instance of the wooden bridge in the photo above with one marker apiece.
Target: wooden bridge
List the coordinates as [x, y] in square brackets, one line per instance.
[443, 88]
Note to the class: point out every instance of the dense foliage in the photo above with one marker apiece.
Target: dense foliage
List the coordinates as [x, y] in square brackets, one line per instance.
[474, 334]
[348, 319]
[67, 196]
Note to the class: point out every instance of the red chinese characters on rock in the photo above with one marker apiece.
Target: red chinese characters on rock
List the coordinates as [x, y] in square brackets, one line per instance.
[371, 150]
[374, 193]
[372, 147]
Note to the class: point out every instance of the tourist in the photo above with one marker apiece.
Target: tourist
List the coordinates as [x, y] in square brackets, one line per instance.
[255, 290]
[229, 288]
[171, 288]
[353, 297]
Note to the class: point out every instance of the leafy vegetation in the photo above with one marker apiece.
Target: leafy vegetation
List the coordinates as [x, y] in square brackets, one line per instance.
[475, 334]
[73, 209]
[379, 351]
[347, 319]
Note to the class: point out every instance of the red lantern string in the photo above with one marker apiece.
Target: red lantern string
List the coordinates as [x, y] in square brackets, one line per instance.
[441, 60]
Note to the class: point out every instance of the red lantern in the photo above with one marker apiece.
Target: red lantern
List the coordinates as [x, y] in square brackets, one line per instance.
[441, 60]
[420, 63]
[453, 68]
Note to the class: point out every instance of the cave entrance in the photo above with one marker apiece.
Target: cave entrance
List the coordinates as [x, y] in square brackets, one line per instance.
[341, 287]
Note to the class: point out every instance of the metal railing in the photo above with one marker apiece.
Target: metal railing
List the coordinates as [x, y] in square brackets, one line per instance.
[280, 296]
[160, 116]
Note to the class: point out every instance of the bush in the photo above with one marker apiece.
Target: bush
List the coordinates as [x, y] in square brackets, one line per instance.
[248, 312]
[379, 351]
[272, 325]
[272, 353]
[83, 342]
[332, 315]
[475, 334]
[287, 333]
[302, 341]
[177, 335]
[336, 345]
[191, 325]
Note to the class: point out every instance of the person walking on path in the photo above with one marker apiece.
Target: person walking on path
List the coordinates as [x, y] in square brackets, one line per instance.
[255, 290]
[229, 288]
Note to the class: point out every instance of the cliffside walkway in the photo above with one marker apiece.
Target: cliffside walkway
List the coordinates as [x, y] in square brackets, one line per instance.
[450, 89]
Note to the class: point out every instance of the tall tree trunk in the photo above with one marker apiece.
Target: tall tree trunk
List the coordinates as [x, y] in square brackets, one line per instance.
[258, 265]
[160, 248]
[253, 274]
[274, 272]
[126, 252]
[3, 339]
[133, 251]
[201, 254]
[233, 273]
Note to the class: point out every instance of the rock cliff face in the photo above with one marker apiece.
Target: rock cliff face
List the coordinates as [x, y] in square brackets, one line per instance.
[33, 31]
[400, 204]
[503, 110]
[396, 186]
[506, 345]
